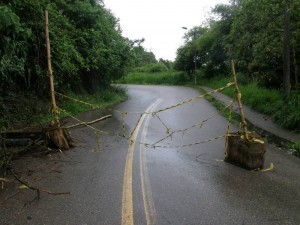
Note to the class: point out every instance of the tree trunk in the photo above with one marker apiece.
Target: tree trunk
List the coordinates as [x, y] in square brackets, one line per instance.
[295, 68]
[286, 51]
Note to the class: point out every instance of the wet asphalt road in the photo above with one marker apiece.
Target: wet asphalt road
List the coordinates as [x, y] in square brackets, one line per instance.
[174, 185]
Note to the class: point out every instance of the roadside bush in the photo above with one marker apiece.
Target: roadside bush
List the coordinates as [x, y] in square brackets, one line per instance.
[157, 67]
[268, 101]
[288, 113]
[152, 68]
[181, 78]
[166, 78]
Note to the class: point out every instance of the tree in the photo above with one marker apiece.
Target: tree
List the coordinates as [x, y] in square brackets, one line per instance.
[141, 56]
[207, 46]
[88, 50]
[257, 32]
[188, 55]
[286, 51]
[167, 63]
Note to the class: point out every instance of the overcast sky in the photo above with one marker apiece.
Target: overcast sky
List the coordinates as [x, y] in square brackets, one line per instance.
[160, 22]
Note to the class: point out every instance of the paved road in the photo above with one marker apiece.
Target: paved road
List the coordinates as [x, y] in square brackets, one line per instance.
[128, 183]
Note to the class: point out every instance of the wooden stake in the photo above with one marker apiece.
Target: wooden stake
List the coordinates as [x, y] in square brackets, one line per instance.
[238, 95]
[52, 93]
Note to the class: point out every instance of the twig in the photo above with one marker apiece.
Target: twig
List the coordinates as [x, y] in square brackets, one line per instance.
[38, 190]
[4, 180]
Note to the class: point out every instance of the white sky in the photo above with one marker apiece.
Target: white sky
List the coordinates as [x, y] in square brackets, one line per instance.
[160, 22]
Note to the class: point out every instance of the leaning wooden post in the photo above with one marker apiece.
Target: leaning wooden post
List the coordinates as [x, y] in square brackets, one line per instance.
[246, 150]
[238, 95]
[52, 93]
[56, 136]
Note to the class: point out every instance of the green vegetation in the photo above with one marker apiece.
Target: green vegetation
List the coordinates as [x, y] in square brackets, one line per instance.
[88, 52]
[159, 78]
[267, 101]
[152, 68]
[151, 71]
[263, 37]
[100, 100]
[35, 111]
[294, 147]
[235, 118]
[87, 47]
[255, 31]
[142, 57]
[285, 111]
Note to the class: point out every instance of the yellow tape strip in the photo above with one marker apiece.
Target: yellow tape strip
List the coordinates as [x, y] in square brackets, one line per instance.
[76, 100]
[73, 117]
[270, 169]
[182, 146]
[171, 133]
[156, 111]
[193, 99]
[228, 128]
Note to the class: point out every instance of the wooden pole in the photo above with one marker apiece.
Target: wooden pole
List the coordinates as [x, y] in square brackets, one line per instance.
[238, 95]
[52, 93]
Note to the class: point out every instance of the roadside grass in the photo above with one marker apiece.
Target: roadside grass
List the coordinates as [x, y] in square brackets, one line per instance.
[285, 112]
[235, 118]
[261, 99]
[294, 147]
[159, 78]
[37, 111]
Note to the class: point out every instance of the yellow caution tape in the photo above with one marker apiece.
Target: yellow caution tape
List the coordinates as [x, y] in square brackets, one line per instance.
[23, 186]
[271, 168]
[255, 140]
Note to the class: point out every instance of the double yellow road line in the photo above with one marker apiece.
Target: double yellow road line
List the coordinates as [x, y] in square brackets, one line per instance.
[127, 200]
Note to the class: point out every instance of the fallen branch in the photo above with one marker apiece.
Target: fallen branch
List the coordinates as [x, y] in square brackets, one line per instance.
[88, 123]
[38, 190]
[4, 180]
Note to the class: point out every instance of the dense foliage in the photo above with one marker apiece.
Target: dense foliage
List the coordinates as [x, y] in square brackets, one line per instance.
[157, 78]
[87, 47]
[255, 32]
[141, 57]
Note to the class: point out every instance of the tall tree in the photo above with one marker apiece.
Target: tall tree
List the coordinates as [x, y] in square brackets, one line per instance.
[141, 56]
[88, 49]
[286, 51]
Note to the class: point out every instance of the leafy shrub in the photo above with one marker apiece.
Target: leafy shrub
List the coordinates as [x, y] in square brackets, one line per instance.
[152, 68]
[295, 148]
[288, 113]
[167, 78]
[157, 67]
[87, 48]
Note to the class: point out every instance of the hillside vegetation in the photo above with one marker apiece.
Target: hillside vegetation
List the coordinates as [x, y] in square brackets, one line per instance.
[88, 52]
[264, 39]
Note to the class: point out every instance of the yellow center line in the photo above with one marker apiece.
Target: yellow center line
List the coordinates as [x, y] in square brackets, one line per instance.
[149, 207]
[127, 203]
